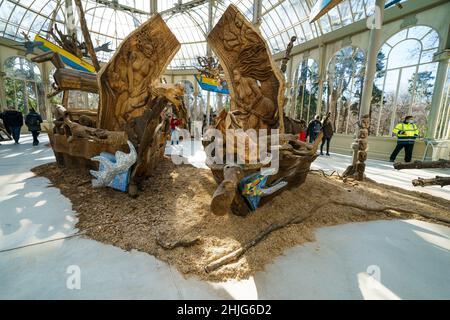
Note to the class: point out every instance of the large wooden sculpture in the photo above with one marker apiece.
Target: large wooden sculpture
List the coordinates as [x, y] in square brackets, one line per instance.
[257, 97]
[257, 85]
[131, 97]
[131, 103]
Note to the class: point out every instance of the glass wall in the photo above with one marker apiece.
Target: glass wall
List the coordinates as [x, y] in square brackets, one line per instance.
[306, 90]
[23, 85]
[405, 79]
[345, 77]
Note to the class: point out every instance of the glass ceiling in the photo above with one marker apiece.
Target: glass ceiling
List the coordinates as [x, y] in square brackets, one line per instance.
[112, 20]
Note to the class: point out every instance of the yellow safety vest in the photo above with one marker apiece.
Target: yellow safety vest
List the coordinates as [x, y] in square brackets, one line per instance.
[409, 134]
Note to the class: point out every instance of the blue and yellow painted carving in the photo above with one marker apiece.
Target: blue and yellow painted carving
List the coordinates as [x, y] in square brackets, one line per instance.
[68, 58]
[210, 84]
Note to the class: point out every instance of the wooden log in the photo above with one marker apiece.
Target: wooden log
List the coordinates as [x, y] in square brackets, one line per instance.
[145, 140]
[227, 190]
[441, 164]
[438, 181]
[87, 36]
[69, 79]
[50, 56]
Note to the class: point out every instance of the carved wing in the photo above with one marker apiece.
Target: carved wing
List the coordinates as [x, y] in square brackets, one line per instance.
[126, 81]
[239, 46]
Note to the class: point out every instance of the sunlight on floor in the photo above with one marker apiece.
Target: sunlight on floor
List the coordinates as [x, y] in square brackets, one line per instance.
[372, 289]
[242, 290]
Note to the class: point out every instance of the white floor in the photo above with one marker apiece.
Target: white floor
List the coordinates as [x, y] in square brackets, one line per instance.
[381, 259]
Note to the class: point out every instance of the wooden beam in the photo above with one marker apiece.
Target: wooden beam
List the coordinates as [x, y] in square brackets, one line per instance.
[87, 36]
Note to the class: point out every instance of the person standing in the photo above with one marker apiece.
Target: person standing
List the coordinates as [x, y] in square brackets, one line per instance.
[313, 129]
[13, 120]
[174, 135]
[407, 133]
[327, 127]
[33, 121]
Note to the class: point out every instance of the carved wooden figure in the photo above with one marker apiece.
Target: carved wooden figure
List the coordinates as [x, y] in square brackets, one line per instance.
[131, 103]
[256, 84]
[257, 98]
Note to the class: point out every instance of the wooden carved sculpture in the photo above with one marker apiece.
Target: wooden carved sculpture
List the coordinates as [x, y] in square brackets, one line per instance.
[257, 95]
[256, 85]
[131, 97]
[358, 166]
[209, 67]
[127, 81]
[75, 142]
[287, 54]
[131, 105]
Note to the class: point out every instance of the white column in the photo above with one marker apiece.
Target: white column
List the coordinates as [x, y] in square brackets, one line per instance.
[438, 95]
[372, 54]
[257, 10]
[153, 6]
[70, 18]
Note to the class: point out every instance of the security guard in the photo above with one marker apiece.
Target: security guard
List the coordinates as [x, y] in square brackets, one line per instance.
[406, 133]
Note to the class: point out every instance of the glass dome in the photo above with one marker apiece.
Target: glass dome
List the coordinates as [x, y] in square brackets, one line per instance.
[112, 20]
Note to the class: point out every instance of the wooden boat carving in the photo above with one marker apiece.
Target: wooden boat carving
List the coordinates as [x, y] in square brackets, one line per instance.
[257, 98]
[131, 103]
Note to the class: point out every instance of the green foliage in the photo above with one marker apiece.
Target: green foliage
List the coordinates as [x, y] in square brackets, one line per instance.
[423, 82]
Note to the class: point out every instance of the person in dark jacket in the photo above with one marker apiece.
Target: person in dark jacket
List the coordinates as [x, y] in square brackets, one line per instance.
[33, 121]
[313, 129]
[327, 127]
[13, 120]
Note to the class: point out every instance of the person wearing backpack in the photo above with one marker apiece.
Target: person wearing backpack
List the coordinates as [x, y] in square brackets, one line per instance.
[33, 121]
[314, 128]
[327, 133]
[13, 121]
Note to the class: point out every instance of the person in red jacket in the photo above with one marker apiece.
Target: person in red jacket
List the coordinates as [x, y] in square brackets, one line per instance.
[302, 133]
[302, 136]
[174, 135]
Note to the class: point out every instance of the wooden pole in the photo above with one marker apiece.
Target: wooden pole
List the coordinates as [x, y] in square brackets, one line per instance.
[87, 36]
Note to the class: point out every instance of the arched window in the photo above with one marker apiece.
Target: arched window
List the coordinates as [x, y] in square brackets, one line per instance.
[23, 85]
[306, 89]
[345, 79]
[406, 80]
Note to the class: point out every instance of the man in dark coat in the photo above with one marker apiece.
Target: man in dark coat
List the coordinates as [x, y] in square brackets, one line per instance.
[314, 128]
[13, 120]
[33, 121]
[327, 127]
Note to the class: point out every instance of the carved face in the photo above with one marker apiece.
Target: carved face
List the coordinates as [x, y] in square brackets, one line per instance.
[236, 75]
[238, 22]
[363, 133]
[365, 122]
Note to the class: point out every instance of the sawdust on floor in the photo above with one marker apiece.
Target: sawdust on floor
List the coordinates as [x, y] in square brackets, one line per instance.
[174, 206]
